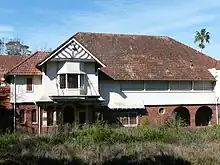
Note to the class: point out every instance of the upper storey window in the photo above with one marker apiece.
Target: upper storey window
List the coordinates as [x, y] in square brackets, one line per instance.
[71, 81]
[29, 82]
[204, 85]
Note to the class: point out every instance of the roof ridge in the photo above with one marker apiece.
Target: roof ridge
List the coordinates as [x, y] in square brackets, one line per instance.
[20, 63]
[119, 34]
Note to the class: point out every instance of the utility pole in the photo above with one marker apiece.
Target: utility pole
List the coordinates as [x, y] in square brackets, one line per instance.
[14, 108]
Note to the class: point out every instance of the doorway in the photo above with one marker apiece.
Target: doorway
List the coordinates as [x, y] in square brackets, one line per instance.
[69, 115]
[82, 117]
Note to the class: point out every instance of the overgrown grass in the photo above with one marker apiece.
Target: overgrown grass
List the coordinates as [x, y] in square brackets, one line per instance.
[100, 143]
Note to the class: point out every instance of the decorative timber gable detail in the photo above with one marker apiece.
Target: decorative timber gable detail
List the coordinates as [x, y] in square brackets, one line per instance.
[71, 50]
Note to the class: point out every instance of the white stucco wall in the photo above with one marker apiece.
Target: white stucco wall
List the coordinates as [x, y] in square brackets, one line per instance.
[50, 79]
[22, 95]
[115, 98]
[216, 74]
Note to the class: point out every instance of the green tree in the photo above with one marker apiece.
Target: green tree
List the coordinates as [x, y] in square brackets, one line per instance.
[15, 47]
[201, 38]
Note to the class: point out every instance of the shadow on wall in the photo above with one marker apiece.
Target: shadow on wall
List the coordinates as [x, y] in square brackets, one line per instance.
[6, 119]
[105, 91]
[126, 160]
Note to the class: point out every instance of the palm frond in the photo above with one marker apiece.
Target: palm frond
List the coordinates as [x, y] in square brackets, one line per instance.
[203, 32]
[201, 46]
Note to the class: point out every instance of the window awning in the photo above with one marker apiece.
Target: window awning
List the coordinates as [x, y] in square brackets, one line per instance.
[126, 104]
[71, 68]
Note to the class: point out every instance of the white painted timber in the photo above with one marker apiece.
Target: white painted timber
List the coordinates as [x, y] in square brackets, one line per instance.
[216, 74]
[111, 92]
[50, 79]
[73, 50]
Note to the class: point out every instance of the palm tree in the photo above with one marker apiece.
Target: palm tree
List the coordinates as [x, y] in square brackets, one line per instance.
[202, 37]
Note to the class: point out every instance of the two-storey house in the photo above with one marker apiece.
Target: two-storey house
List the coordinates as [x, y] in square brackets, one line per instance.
[123, 77]
[7, 62]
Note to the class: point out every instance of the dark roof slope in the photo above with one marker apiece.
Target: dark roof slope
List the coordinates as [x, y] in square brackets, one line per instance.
[141, 57]
[28, 66]
[135, 57]
[7, 62]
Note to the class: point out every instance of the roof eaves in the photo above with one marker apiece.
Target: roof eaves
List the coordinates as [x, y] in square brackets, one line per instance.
[65, 43]
[20, 63]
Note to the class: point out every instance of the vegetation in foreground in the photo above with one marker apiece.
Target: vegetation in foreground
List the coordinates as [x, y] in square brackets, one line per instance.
[101, 144]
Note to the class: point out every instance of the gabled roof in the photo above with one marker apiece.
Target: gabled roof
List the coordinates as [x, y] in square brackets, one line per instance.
[28, 65]
[141, 57]
[67, 44]
[134, 57]
[7, 62]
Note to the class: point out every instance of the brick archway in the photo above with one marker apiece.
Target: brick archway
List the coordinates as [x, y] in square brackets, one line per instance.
[203, 116]
[183, 114]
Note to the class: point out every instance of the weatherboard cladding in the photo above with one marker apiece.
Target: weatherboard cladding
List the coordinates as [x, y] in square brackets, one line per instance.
[135, 57]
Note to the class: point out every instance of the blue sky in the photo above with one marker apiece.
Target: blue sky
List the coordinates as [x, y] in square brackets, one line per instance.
[47, 23]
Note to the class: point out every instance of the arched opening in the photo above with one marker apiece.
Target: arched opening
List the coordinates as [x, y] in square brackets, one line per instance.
[68, 115]
[203, 116]
[182, 113]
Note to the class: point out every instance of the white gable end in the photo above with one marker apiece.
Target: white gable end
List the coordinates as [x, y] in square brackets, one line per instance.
[73, 51]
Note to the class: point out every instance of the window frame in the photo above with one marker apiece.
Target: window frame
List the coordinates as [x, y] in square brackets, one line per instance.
[128, 118]
[27, 85]
[80, 77]
[213, 83]
[156, 82]
[180, 84]
[22, 123]
[34, 122]
[126, 85]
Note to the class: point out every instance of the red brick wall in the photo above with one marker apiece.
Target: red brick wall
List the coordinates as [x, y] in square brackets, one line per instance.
[5, 97]
[157, 118]
[28, 126]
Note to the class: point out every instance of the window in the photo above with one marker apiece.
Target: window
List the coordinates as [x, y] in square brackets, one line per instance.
[82, 77]
[203, 85]
[132, 85]
[157, 85]
[180, 85]
[71, 81]
[129, 118]
[22, 116]
[50, 115]
[62, 81]
[161, 111]
[34, 116]
[29, 84]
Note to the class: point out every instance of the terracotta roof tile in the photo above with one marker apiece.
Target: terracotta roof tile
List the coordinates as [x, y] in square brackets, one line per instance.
[28, 66]
[7, 62]
[136, 57]
[217, 66]
[141, 57]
